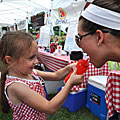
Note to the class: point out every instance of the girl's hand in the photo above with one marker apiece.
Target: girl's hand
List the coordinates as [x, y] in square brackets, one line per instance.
[75, 79]
[72, 66]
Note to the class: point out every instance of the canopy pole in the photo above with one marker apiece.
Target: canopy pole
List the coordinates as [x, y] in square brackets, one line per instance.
[27, 23]
[15, 25]
[51, 27]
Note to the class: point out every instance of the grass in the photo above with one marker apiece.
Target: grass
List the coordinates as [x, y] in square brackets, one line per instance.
[65, 114]
[5, 116]
[61, 114]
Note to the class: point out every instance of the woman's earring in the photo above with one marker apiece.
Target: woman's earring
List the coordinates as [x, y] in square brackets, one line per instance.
[98, 43]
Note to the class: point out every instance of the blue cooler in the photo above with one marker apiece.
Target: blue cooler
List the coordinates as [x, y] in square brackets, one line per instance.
[75, 100]
[96, 96]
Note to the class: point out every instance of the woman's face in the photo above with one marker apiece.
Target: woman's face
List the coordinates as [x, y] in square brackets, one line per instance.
[90, 46]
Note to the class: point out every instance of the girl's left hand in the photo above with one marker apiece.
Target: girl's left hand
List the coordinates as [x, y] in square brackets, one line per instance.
[72, 66]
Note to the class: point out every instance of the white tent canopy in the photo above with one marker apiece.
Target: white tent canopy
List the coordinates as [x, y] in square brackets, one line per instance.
[57, 12]
[14, 11]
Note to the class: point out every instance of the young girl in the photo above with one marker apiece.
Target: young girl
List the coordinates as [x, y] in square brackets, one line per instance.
[22, 87]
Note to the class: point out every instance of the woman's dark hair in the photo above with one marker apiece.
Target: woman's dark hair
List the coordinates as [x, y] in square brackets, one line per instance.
[113, 5]
[14, 44]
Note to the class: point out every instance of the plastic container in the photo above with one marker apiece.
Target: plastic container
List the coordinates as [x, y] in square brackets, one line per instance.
[75, 100]
[96, 96]
[82, 66]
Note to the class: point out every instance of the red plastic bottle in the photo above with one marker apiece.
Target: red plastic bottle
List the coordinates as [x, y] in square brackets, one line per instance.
[82, 66]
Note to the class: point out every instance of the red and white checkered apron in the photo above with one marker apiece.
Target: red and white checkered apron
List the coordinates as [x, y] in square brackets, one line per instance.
[23, 111]
[112, 93]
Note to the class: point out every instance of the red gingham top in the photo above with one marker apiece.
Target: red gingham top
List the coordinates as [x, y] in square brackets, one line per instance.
[23, 111]
[92, 71]
[112, 93]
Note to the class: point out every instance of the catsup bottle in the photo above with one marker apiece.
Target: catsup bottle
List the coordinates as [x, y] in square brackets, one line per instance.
[82, 66]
